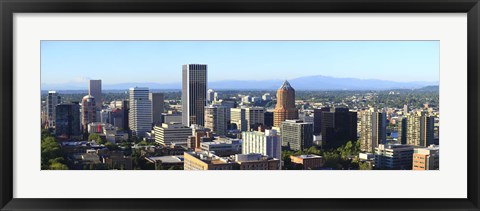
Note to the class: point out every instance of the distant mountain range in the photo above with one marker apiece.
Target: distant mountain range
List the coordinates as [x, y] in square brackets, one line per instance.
[303, 83]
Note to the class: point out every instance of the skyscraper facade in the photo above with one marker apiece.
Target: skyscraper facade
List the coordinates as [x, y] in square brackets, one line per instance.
[68, 120]
[89, 111]
[215, 119]
[247, 118]
[157, 107]
[140, 115]
[194, 92]
[95, 90]
[285, 108]
[372, 129]
[53, 99]
[296, 134]
[402, 130]
[338, 127]
[317, 119]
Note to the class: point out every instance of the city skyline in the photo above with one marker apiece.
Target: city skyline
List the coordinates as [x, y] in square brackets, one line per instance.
[79, 61]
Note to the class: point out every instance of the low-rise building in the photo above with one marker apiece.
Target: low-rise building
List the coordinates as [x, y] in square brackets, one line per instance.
[172, 133]
[204, 160]
[166, 162]
[308, 162]
[256, 161]
[393, 157]
[223, 146]
[426, 158]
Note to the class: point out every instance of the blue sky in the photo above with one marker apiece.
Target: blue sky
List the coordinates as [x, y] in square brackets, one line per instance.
[161, 61]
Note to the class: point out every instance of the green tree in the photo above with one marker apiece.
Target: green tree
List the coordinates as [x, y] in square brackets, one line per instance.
[58, 166]
[96, 137]
[143, 143]
[111, 146]
[134, 139]
[364, 166]
[50, 149]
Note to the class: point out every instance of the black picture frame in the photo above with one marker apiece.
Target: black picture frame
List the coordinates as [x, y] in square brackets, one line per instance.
[9, 7]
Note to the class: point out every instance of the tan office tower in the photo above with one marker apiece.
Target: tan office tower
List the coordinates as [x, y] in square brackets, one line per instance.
[285, 108]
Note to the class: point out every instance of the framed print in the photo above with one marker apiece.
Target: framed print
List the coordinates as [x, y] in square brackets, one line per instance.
[160, 105]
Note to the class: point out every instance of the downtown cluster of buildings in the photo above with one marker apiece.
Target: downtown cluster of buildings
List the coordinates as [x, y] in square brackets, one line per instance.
[208, 132]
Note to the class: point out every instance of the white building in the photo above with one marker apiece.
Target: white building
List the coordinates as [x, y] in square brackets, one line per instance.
[173, 133]
[140, 115]
[267, 97]
[267, 143]
[210, 95]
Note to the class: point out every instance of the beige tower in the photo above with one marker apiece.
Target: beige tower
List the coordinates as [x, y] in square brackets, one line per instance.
[285, 108]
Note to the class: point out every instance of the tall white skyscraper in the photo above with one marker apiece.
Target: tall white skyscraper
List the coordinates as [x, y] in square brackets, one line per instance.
[53, 99]
[194, 92]
[95, 90]
[140, 115]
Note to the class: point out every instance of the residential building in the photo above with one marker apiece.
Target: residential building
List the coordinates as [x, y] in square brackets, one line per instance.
[140, 115]
[420, 129]
[372, 129]
[402, 130]
[194, 92]
[296, 134]
[53, 99]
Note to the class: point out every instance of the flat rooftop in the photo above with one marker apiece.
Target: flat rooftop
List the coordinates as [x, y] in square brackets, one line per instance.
[167, 159]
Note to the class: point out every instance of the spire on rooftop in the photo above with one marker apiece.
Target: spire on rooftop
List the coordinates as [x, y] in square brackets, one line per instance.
[286, 86]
